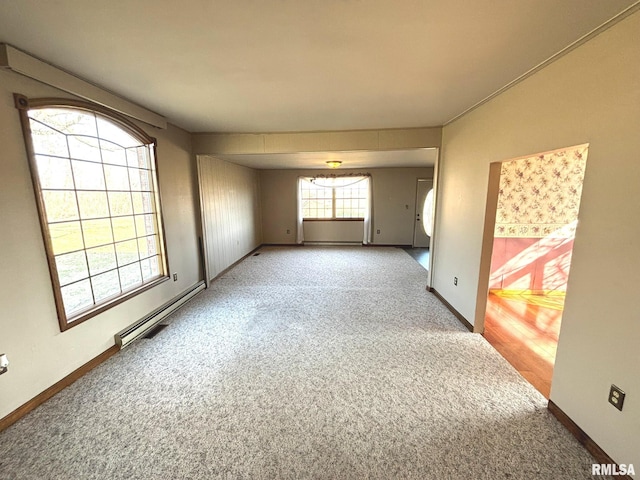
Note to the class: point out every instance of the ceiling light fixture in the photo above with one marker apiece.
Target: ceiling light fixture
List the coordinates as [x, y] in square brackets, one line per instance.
[334, 163]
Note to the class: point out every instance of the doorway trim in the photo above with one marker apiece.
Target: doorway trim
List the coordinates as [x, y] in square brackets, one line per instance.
[433, 243]
[486, 250]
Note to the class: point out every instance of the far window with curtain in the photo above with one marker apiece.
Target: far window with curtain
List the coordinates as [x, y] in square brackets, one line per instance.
[345, 197]
[333, 198]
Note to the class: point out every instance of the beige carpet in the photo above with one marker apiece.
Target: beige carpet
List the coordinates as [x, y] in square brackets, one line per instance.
[301, 363]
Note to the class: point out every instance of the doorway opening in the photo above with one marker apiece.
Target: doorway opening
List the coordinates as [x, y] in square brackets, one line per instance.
[536, 215]
[423, 223]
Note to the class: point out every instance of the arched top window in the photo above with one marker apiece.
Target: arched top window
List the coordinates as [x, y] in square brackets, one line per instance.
[427, 214]
[96, 185]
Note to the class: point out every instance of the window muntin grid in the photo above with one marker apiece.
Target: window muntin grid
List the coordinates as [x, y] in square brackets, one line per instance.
[339, 198]
[97, 185]
[317, 201]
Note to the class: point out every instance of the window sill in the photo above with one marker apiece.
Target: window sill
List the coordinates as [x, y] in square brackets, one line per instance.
[96, 310]
[333, 219]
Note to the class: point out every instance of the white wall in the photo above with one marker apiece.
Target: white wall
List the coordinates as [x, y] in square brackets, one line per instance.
[230, 203]
[29, 334]
[394, 204]
[335, 141]
[334, 231]
[591, 95]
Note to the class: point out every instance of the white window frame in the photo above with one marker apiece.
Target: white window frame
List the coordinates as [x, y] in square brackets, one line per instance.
[333, 217]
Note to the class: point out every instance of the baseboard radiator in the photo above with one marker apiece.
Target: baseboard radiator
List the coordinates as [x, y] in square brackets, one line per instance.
[142, 326]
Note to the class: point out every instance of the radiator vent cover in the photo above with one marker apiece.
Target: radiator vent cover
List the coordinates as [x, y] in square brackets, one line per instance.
[152, 332]
[142, 326]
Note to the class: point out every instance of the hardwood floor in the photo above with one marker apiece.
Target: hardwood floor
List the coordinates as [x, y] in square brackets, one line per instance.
[524, 328]
[421, 255]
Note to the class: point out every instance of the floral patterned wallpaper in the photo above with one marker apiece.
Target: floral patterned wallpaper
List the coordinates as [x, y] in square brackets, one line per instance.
[540, 195]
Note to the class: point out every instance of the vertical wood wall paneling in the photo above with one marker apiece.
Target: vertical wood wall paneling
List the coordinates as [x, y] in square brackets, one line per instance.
[230, 196]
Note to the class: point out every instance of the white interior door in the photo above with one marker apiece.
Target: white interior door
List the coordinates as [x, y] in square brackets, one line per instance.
[420, 237]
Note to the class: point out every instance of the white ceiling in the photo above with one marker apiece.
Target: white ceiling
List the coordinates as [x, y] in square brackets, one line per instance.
[293, 65]
[418, 157]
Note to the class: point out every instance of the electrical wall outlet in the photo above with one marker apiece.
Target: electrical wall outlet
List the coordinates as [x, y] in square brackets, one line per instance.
[378, 231]
[175, 277]
[616, 397]
[455, 281]
[288, 231]
[4, 363]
